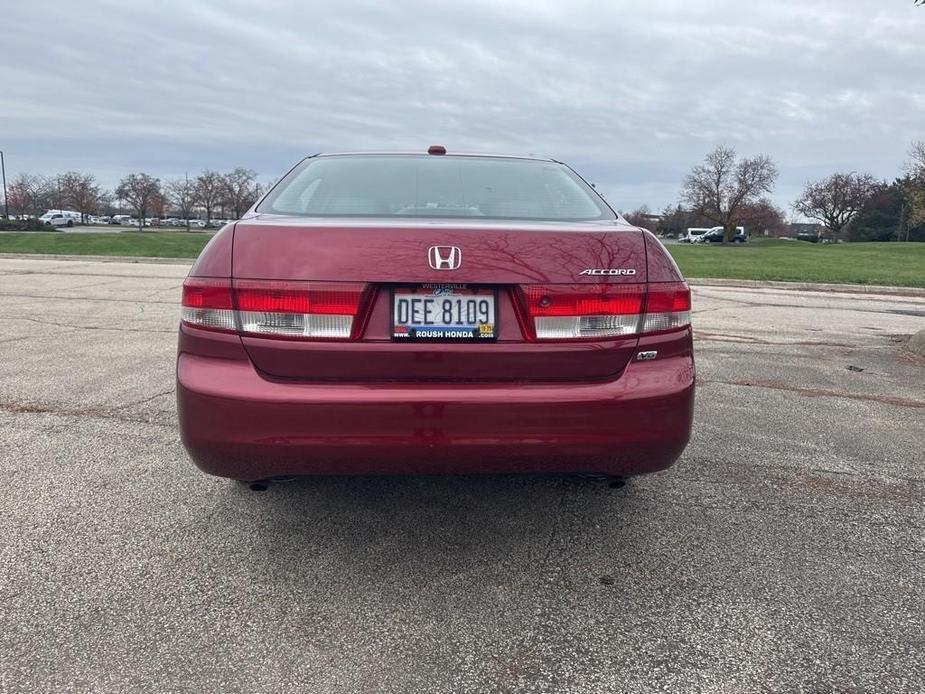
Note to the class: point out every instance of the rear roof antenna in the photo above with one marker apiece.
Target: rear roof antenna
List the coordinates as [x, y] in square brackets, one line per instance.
[436, 149]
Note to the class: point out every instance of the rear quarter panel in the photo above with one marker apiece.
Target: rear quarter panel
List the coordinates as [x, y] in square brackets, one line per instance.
[661, 266]
[215, 258]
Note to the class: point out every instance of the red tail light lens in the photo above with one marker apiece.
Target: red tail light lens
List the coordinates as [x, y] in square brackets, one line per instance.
[562, 312]
[207, 293]
[337, 298]
[585, 300]
[668, 297]
[313, 310]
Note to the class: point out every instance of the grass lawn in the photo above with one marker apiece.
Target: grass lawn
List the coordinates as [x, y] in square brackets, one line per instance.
[899, 264]
[147, 244]
[896, 264]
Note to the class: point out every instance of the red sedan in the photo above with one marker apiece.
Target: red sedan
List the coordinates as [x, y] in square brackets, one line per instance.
[434, 313]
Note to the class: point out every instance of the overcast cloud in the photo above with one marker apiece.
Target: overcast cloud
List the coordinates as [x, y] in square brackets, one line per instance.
[631, 93]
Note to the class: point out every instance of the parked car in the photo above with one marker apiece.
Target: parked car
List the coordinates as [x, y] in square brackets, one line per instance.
[59, 218]
[123, 219]
[55, 219]
[392, 319]
[715, 235]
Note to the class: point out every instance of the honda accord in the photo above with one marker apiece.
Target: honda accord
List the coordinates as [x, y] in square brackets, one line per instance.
[433, 313]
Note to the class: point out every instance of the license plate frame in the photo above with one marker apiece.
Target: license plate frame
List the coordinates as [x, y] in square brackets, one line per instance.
[430, 290]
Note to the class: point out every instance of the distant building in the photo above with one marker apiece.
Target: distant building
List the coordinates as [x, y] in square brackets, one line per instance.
[646, 220]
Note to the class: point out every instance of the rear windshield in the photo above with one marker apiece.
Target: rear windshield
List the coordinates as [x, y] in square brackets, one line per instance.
[434, 186]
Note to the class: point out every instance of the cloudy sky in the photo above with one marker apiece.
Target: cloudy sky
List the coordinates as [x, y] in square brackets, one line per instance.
[630, 93]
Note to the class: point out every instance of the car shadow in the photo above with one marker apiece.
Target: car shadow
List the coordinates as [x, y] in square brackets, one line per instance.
[422, 528]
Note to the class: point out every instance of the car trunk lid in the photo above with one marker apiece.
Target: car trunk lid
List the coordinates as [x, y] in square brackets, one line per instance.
[504, 259]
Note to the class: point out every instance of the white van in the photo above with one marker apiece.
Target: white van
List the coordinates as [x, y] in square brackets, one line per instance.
[693, 233]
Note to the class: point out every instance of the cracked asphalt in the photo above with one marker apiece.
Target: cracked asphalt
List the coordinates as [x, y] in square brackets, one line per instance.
[784, 552]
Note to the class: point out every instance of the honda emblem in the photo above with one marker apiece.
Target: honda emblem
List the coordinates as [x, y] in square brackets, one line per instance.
[444, 257]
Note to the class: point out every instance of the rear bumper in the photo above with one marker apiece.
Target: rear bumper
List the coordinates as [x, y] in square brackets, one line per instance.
[236, 423]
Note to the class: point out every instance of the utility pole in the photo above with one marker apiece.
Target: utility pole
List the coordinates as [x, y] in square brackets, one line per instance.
[6, 200]
[187, 200]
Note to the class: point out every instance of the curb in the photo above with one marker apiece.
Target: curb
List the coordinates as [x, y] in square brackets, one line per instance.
[99, 258]
[808, 286]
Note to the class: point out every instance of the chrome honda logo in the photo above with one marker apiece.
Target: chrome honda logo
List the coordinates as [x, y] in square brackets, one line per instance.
[444, 257]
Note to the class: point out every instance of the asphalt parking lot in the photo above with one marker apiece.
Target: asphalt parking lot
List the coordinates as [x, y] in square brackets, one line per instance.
[784, 552]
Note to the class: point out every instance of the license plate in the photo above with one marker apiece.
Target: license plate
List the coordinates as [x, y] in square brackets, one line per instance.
[444, 312]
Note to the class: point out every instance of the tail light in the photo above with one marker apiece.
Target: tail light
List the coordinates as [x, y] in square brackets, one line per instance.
[314, 310]
[563, 312]
[297, 309]
[668, 307]
[207, 303]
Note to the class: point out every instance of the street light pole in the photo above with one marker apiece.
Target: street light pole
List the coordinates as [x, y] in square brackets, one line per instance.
[6, 202]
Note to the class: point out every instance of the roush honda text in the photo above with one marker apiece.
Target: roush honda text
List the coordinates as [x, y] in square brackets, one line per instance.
[434, 313]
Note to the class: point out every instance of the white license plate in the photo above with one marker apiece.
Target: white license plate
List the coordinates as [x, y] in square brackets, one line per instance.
[444, 312]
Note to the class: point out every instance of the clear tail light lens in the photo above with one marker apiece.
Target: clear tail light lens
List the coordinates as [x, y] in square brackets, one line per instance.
[564, 312]
[312, 310]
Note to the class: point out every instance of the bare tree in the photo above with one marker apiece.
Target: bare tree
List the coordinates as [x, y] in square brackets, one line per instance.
[915, 166]
[182, 195]
[141, 192]
[913, 187]
[209, 190]
[104, 202]
[240, 190]
[30, 194]
[836, 200]
[643, 217]
[763, 218]
[159, 205]
[718, 188]
[18, 199]
[80, 192]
